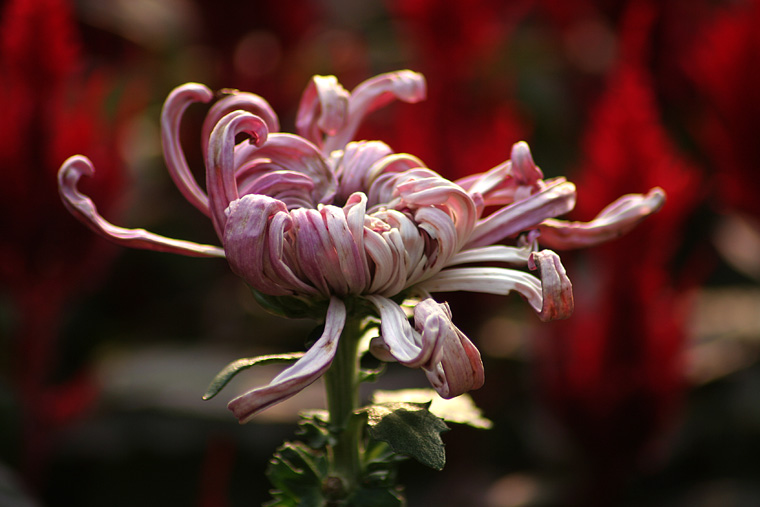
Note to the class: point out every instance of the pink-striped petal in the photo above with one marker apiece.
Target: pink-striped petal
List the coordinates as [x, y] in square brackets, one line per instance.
[323, 109]
[556, 199]
[171, 117]
[354, 166]
[556, 288]
[303, 373]
[373, 94]
[221, 182]
[85, 210]
[245, 241]
[456, 368]
[404, 343]
[612, 222]
[290, 153]
[234, 100]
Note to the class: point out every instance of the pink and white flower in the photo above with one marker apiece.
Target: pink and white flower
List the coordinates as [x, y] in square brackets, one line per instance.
[315, 216]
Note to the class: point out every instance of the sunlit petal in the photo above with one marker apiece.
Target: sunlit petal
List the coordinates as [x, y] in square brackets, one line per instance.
[404, 343]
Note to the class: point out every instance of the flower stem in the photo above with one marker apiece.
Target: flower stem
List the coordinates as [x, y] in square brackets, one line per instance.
[342, 385]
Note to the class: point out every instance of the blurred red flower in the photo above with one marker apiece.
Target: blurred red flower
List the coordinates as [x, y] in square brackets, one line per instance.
[612, 374]
[50, 110]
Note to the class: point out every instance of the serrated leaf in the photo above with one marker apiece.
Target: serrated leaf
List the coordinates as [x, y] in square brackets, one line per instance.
[223, 377]
[460, 410]
[313, 429]
[410, 429]
[296, 472]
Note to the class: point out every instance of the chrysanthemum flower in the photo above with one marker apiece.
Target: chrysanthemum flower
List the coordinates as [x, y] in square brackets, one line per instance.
[317, 218]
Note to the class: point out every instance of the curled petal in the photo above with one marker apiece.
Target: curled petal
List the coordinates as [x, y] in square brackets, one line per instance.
[245, 241]
[220, 161]
[84, 209]
[171, 116]
[234, 100]
[354, 166]
[613, 221]
[457, 367]
[556, 288]
[556, 199]
[323, 109]
[385, 175]
[373, 94]
[524, 169]
[442, 194]
[290, 153]
[304, 372]
[443, 235]
[402, 342]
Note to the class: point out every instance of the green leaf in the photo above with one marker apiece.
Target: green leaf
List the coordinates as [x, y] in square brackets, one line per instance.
[296, 472]
[235, 367]
[371, 375]
[410, 429]
[313, 429]
[460, 410]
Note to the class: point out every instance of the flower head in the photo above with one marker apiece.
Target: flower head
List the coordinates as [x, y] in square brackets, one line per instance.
[317, 217]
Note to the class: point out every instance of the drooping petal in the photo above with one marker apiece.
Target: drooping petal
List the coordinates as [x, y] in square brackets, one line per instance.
[373, 94]
[406, 345]
[171, 117]
[323, 109]
[612, 222]
[304, 372]
[556, 288]
[554, 200]
[220, 162]
[84, 209]
[457, 367]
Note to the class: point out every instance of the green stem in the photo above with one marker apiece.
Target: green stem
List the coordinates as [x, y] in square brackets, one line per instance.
[342, 385]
